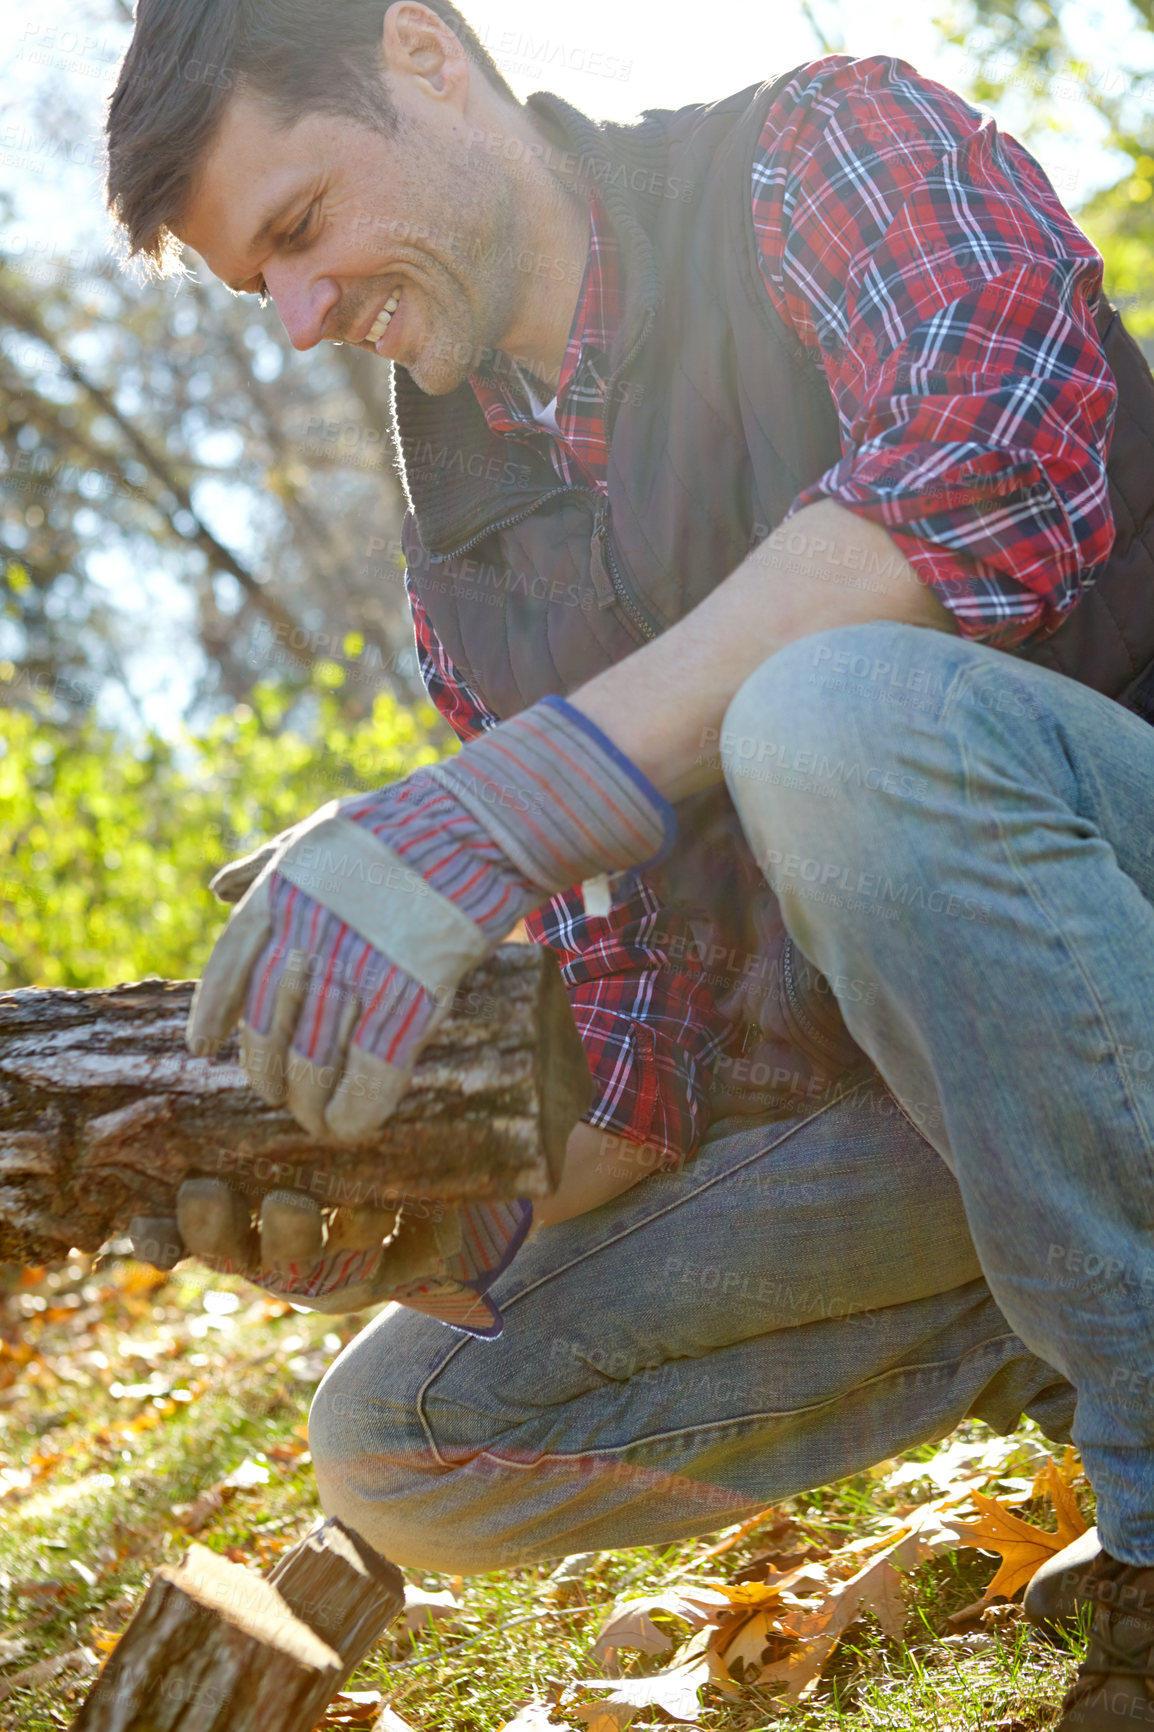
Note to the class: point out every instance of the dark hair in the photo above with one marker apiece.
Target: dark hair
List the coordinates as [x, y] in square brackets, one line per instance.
[187, 58]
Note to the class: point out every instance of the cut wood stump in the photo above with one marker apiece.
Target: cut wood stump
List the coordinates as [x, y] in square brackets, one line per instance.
[216, 1648]
[104, 1111]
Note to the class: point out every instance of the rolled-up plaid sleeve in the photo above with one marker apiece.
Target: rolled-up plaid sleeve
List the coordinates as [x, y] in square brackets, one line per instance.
[640, 997]
[924, 257]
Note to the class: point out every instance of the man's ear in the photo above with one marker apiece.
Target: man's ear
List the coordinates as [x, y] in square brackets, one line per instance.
[418, 45]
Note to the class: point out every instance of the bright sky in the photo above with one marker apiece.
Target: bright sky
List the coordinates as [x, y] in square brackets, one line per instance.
[608, 58]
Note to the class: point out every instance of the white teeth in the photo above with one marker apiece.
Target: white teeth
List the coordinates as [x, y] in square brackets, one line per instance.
[381, 323]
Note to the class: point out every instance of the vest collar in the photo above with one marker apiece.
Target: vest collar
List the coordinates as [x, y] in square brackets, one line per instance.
[453, 468]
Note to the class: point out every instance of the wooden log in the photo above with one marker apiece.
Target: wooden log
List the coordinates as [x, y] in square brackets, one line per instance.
[214, 1647]
[103, 1111]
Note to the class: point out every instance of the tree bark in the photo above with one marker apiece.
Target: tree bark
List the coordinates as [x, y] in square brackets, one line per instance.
[215, 1648]
[103, 1111]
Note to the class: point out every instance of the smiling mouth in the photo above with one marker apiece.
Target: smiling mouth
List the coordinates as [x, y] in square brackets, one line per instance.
[382, 321]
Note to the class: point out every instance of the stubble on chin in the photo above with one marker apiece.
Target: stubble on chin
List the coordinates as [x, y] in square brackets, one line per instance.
[442, 365]
[478, 290]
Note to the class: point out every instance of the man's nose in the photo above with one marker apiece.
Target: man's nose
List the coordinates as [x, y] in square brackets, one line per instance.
[303, 303]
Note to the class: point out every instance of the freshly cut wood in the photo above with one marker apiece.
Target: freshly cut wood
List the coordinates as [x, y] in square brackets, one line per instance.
[341, 1588]
[216, 1648]
[103, 1110]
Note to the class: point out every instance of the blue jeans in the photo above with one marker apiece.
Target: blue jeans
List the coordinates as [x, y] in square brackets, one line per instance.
[985, 875]
[960, 844]
[799, 1302]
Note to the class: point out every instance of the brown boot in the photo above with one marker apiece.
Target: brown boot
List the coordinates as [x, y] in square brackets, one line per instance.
[1114, 1687]
[1057, 1592]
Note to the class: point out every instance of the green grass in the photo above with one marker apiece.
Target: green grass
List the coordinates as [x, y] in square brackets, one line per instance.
[126, 1395]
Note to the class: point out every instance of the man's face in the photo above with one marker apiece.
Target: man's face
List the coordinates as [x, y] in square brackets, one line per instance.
[400, 244]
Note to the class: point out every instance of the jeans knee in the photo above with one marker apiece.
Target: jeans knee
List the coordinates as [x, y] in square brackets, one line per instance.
[377, 1471]
[832, 715]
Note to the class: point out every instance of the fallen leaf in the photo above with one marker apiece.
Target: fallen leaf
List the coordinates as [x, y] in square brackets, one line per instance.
[533, 1717]
[565, 1583]
[605, 1716]
[966, 1460]
[247, 1477]
[758, 1596]
[630, 1624]
[391, 1721]
[423, 1609]
[288, 1451]
[353, 1708]
[746, 1645]
[1022, 1547]
[195, 1515]
[1071, 1522]
[674, 1690]
[13, 1648]
[249, 1474]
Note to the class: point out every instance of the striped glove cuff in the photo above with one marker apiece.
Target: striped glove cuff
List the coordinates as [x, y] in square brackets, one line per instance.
[559, 798]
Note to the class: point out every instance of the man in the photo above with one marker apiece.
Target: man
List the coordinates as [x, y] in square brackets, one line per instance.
[763, 551]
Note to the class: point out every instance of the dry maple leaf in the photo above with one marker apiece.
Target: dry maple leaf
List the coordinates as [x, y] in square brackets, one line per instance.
[745, 1647]
[1055, 1481]
[630, 1624]
[812, 1634]
[675, 1690]
[1022, 1547]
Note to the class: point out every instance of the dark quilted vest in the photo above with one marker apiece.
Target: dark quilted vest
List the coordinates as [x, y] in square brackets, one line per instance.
[534, 587]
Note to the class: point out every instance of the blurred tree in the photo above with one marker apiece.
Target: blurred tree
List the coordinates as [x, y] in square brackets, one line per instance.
[172, 426]
[169, 466]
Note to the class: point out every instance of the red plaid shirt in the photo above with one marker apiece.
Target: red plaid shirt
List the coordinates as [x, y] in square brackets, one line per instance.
[926, 260]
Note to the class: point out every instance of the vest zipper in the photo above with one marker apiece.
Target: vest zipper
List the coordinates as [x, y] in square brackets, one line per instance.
[506, 522]
[628, 606]
[812, 1040]
[601, 532]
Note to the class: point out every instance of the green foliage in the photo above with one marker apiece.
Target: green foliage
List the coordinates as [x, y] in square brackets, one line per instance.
[107, 845]
[1027, 53]
[1120, 222]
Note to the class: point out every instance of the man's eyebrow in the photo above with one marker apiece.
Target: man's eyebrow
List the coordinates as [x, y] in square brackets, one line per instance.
[270, 222]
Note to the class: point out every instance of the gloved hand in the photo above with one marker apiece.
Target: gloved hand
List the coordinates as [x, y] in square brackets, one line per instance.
[352, 931]
[342, 956]
[440, 1261]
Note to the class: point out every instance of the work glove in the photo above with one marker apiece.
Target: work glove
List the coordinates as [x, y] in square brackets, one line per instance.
[343, 955]
[434, 1259]
[345, 949]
